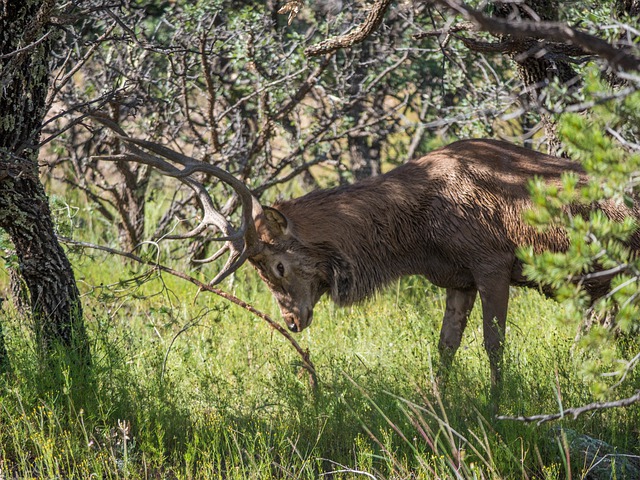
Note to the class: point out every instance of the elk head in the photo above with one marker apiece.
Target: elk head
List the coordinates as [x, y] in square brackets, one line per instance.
[289, 267]
[265, 238]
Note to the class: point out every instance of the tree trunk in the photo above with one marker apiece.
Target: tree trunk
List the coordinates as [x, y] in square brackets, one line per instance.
[365, 158]
[25, 47]
[537, 69]
[129, 194]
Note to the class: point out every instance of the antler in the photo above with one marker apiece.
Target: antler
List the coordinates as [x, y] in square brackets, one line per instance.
[243, 242]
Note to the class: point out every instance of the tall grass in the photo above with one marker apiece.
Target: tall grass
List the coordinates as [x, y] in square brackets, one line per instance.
[187, 386]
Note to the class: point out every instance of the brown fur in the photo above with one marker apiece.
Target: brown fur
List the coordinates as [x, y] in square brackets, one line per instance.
[453, 216]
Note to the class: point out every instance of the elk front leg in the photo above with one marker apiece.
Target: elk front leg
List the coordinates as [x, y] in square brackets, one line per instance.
[494, 294]
[457, 310]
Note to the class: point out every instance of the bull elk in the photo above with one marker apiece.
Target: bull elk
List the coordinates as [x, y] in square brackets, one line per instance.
[454, 216]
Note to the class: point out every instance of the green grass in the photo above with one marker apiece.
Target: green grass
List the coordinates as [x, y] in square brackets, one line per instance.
[187, 386]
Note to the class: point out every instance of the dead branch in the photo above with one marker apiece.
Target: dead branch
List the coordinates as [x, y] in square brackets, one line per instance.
[304, 354]
[557, 32]
[576, 411]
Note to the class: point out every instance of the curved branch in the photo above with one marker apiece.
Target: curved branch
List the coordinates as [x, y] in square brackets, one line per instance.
[576, 411]
[357, 35]
[304, 354]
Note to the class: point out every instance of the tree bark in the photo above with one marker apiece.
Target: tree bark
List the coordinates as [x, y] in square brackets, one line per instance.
[365, 158]
[25, 48]
[535, 69]
[129, 195]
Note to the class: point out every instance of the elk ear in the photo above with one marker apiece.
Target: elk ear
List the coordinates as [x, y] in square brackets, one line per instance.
[272, 224]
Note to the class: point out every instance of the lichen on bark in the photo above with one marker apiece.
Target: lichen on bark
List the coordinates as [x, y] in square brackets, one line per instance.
[25, 48]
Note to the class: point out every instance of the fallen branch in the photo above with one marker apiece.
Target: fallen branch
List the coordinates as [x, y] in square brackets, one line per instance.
[576, 411]
[304, 354]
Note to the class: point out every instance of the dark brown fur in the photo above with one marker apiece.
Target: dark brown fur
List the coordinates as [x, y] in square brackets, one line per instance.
[454, 216]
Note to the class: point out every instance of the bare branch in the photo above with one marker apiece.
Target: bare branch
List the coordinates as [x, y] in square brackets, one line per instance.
[304, 354]
[620, 138]
[458, 27]
[577, 411]
[242, 243]
[557, 32]
[303, 89]
[59, 83]
[610, 273]
[27, 47]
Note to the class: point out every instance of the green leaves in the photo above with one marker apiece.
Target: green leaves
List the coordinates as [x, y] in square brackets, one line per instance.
[598, 243]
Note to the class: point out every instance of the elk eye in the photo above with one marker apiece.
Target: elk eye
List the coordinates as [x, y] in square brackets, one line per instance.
[280, 269]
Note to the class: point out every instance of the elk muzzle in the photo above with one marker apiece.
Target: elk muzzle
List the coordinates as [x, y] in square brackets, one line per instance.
[297, 320]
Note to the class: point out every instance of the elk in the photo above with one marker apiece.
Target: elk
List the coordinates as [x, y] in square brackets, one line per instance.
[454, 216]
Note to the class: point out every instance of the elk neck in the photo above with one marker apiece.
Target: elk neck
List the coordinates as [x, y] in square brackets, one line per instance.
[364, 235]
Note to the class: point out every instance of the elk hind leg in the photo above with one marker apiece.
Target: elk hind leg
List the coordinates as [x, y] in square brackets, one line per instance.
[459, 304]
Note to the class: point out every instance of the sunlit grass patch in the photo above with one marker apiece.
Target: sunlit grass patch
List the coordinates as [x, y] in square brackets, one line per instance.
[185, 385]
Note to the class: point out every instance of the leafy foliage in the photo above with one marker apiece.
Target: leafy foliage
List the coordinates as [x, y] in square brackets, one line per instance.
[598, 139]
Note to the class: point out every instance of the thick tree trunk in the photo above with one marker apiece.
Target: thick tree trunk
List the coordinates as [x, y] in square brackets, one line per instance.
[365, 158]
[25, 46]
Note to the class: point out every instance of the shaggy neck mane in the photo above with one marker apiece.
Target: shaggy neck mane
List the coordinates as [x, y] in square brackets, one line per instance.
[356, 232]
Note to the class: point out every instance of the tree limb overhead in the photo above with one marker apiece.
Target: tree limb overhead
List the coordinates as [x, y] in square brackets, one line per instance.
[553, 31]
[357, 35]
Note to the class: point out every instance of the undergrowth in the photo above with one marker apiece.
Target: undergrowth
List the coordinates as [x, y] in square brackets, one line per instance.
[189, 386]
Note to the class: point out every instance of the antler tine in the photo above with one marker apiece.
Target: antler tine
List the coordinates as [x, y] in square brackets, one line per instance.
[192, 165]
[213, 257]
[234, 262]
[140, 156]
[250, 205]
[242, 242]
[211, 217]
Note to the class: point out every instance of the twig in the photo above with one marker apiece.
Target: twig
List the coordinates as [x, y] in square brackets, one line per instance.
[620, 138]
[459, 27]
[631, 364]
[27, 47]
[576, 411]
[612, 272]
[191, 323]
[304, 354]
[59, 83]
